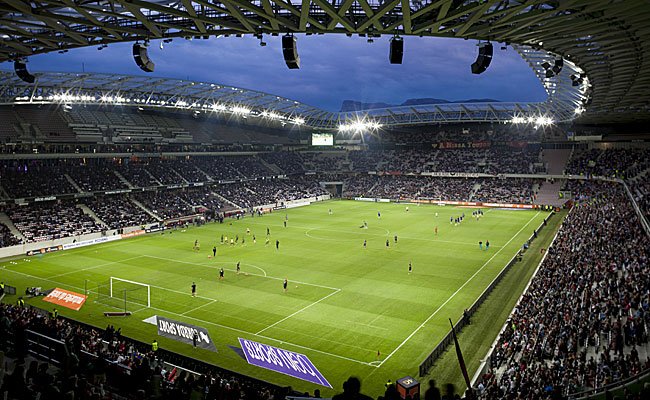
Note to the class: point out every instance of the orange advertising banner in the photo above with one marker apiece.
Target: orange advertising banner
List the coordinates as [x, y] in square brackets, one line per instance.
[66, 298]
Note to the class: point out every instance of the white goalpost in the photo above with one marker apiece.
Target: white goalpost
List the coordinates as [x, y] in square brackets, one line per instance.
[124, 293]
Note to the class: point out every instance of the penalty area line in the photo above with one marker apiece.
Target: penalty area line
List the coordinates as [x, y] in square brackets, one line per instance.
[196, 308]
[455, 293]
[232, 270]
[240, 331]
[299, 311]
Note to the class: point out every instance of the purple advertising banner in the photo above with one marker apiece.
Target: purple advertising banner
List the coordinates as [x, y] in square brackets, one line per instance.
[282, 361]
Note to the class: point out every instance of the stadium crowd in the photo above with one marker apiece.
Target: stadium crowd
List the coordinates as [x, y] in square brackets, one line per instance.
[103, 365]
[118, 211]
[578, 324]
[6, 237]
[640, 188]
[619, 163]
[31, 179]
[51, 220]
[513, 190]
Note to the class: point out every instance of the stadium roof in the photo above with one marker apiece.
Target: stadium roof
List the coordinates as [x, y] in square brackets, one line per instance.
[608, 40]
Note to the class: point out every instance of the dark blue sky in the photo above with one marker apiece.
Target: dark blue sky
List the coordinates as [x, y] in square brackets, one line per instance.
[333, 68]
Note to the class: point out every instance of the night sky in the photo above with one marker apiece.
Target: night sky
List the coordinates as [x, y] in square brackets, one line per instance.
[333, 68]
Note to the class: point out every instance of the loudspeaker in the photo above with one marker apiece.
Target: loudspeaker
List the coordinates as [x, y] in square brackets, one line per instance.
[141, 58]
[483, 60]
[396, 50]
[21, 70]
[559, 63]
[290, 52]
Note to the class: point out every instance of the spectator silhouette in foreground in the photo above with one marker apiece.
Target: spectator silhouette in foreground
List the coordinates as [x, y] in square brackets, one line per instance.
[432, 393]
[450, 392]
[351, 390]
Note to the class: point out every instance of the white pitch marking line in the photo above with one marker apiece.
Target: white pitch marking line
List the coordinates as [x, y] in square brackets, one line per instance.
[299, 311]
[263, 276]
[96, 266]
[217, 325]
[66, 284]
[368, 325]
[455, 293]
[235, 262]
[326, 340]
[196, 308]
[379, 235]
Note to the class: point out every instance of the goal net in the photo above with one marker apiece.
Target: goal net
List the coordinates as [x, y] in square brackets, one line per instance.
[124, 294]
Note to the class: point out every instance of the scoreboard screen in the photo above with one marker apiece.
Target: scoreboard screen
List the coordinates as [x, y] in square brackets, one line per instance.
[322, 139]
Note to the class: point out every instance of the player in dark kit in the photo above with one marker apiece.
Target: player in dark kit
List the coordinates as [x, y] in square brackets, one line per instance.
[221, 273]
[285, 284]
[410, 267]
[193, 289]
[214, 251]
[395, 239]
[277, 245]
[365, 243]
[387, 243]
[268, 231]
[238, 268]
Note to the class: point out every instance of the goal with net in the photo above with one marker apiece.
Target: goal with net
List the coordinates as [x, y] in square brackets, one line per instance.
[124, 294]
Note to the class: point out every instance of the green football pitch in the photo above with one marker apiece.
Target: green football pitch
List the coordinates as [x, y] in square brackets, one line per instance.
[351, 310]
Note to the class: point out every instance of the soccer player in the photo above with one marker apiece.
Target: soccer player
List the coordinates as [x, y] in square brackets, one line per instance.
[329, 211]
[238, 268]
[248, 231]
[285, 284]
[436, 230]
[277, 245]
[451, 220]
[410, 267]
[196, 244]
[480, 244]
[365, 243]
[267, 241]
[232, 241]
[193, 289]
[285, 223]
[243, 240]
[268, 231]
[221, 273]
[407, 208]
[387, 243]
[487, 245]
[222, 238]
[378, 214]
[214, 251]
[254, 240]
[395, 239]
[236, 238]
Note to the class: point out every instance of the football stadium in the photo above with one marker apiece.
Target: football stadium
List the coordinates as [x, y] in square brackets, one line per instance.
[169, 237]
